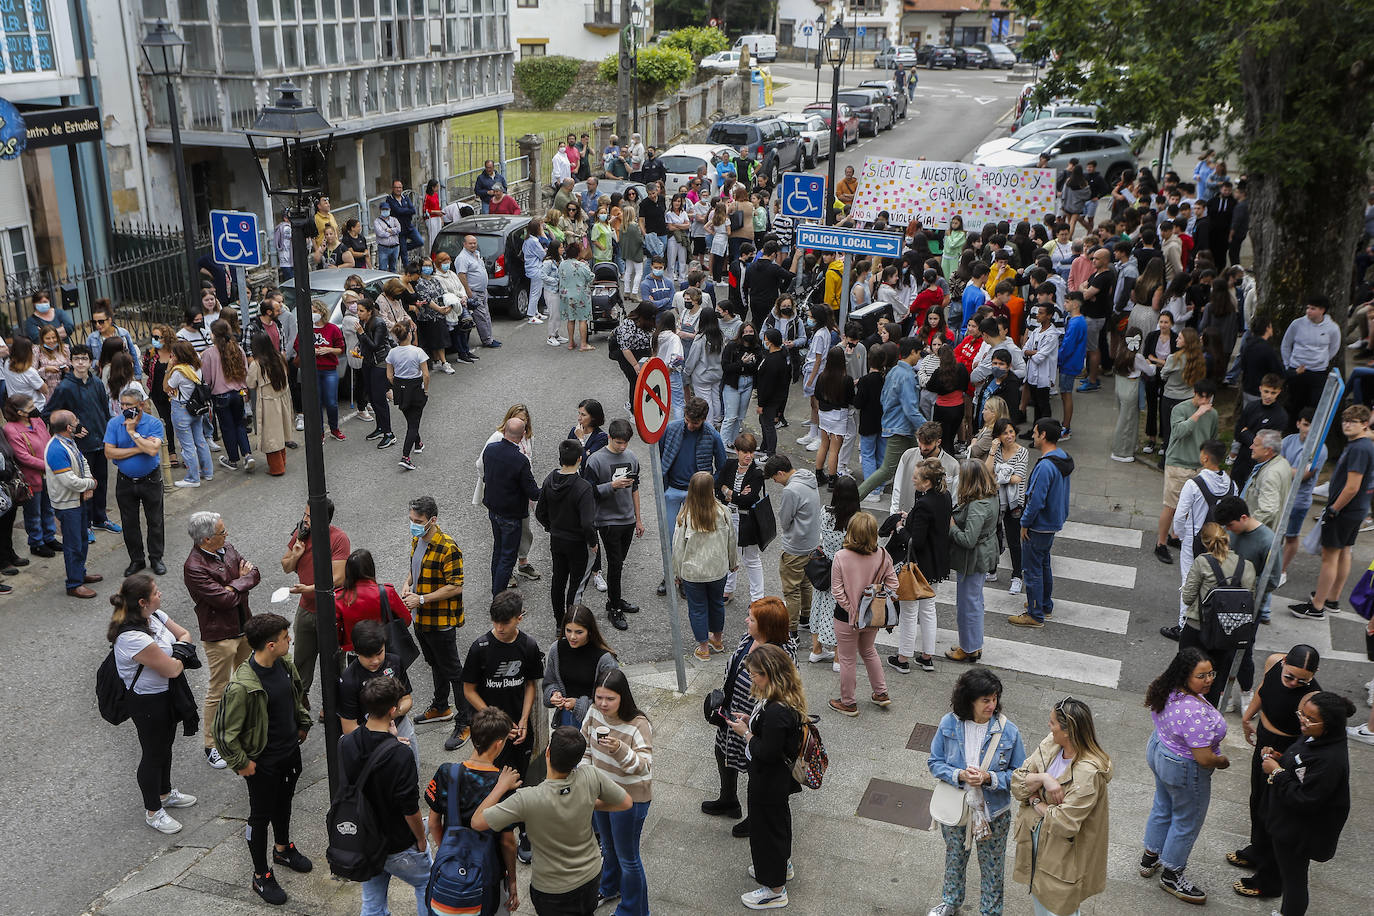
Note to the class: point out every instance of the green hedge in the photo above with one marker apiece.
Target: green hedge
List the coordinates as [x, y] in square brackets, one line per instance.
[659, 68]
[545, 80]
[697, 41]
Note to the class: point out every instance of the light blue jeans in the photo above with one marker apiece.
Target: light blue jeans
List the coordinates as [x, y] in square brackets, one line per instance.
[735, 408]
[705, 607]
[412, 867]
[871, 451]
[1041, 911]
[622, 869]
[969, 608]
[1183, 790]
[679, 405]
[193, 446]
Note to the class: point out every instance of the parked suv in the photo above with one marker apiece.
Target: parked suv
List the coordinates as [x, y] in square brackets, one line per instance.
[895, 98]
[869, 104]
[770, 140]
[499, 241]
[972, 57]
[934, 56]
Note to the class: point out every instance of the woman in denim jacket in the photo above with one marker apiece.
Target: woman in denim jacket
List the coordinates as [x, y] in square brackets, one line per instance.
[956, 757]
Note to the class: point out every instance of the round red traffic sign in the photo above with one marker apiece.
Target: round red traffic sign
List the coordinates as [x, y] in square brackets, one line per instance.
[653, 400]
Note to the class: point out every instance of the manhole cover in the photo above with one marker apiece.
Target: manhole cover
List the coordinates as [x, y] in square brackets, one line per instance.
[894, 803]
[921, 736]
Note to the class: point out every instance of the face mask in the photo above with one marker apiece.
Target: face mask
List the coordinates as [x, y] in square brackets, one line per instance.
[786, 313]
[417, 530]
[319, 319]
[52, 346]
[386, 214]
[998, 373]
[43, 309]
[658, 271]
[749, 340]
[444, 267]
[603, 216]
[157, 344]
[810, 324]
[426, 270]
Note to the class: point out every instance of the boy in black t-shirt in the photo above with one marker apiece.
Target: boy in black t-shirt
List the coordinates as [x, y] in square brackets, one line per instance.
[373, 661]
[500, 670]
[475, 779]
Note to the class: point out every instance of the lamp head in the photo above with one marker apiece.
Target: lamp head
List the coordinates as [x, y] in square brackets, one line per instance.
[163, 50]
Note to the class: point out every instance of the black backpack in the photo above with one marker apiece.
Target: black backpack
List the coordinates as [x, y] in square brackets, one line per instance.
[1211, 499]
[1227, 619]
[111, 696]
[357, 846]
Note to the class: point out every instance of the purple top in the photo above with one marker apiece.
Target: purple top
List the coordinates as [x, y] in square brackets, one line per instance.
[1189, 722]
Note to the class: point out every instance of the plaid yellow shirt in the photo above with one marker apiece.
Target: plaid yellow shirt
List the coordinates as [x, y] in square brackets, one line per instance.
[441, 565]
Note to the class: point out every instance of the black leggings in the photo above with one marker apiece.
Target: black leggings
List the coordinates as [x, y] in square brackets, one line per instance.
[412, 415]
[950, 419]
[270, 791]
[1009, 530]
[1261, 849]
[729, 779]
[377, 388]
[157, 729]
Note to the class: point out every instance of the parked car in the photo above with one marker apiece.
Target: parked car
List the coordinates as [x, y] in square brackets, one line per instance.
[327, 285]
[683, 160]
[762, 48]
[1060, 108]
[895, 98]
[999, 55]
[1035, 127]
[972, 57]
[770, 141]
[888, 58]
[611, 186]
[874, 113]
[1111, 150]
[815, 131]
[721, 61]
[847, 131]
[498, 241]
[934, 56]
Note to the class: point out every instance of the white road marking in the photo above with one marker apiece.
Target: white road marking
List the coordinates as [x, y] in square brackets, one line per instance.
[1286, 631]
[1102, 534]
[1072, 613]
[1031, 659]
[1113, 574]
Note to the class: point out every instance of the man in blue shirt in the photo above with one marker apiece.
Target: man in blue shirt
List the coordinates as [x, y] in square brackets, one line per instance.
[133, 441]
[1046, 509]
[84, 395]
[404, 211]
[901, 416]
[688, 445]
[656, 287]
[490, 178]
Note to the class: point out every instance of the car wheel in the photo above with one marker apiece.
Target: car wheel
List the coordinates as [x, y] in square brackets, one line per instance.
[520, 302]
[839, 145]
[808, 162]
[1114, 174]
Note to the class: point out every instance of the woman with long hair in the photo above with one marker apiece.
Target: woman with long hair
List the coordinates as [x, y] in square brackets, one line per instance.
[225, 369]
[1009, 462]
[669, 349]
[974, 733]
[704, 367]
[820, 617]
[360, 597]
[1222, 315]
[620, 743]
[1147, 296]
[766, 623]
[553, 256]
[28, 437]
[718, 228]
[1181, 371]
[523, 569]
[1182, 753]
[374, 342]
[820, 325]
[328, 342]
[1061, 826]
[180, 382]
[1076, 196]
[858, 565]
[1158, 346]
[407, 370]
[949, 383]
[157, 359]
[143, 638]
[739, 486]
[920, 536]
[1218, 563]
[994, 409]
[633, 341]
[54, 357]
[355, 243]
[575, 664]
[433, 212]
[269, 381]
[740, 361]
[953, 252]
[1130, 368]
[772, 734]
[833, 397]
[972, 553]
[575, 290]
[117, 375]
[1176, 298]
[705, 552]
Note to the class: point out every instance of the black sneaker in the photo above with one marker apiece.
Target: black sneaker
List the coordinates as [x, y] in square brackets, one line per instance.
[660, 591]
[1175, 543]
[924, 662]
[292, 858]
[897, 664]
[1306, 611]
[458, 738]
[523, 852]
[375, 434]
[1171, 632]
[628, 608]
[46, 552]
[1178, 885]
[720, 808]
[805, 622]
[1149, 864]
[740, 830]
[1162, 554]
[388, 440]
[268, 889]
[617, 618]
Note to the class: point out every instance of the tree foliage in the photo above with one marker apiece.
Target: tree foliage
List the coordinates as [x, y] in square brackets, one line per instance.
[697, 41]
[659, 67]
[545, 80]
[1285, 85]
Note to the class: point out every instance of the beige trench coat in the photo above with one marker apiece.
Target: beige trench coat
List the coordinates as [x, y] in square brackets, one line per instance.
[275, 417]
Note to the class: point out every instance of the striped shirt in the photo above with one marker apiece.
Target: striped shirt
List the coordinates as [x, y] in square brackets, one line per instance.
[631, 765]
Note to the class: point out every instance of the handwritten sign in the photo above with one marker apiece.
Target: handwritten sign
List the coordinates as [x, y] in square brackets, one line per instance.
[932, 192]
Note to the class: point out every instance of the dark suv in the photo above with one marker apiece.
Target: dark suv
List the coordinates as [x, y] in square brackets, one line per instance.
[871, 106]
[499, 241]
[933, 56]
[770, 140]
[972, 57]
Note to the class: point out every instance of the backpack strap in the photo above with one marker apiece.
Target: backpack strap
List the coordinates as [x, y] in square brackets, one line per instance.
[372, 760]
[455, 775]
[1216, 571]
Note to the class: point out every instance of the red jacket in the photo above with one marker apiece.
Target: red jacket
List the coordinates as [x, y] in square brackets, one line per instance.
[365, 604]
[29, 441]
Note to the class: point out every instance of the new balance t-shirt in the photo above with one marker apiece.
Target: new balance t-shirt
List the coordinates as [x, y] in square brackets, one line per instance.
[501, 670]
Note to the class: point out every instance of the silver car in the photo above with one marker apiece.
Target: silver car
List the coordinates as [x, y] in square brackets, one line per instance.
[1112, 151]
[815, 133]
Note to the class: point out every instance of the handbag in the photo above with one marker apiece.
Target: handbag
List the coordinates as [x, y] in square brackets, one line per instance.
[715, 708]
[764, 521]
[398, 638]
[948, 803]
[736, 220]
[1361, 596]
[875, 611]
[818, 570]
[912, 584]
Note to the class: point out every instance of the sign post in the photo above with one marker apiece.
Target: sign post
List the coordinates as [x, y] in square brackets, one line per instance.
[885, 245]
[653, 402]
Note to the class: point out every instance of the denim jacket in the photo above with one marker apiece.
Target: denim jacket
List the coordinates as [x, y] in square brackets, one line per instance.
[947, 758]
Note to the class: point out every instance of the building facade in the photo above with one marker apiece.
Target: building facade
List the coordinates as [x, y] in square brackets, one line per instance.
[950, 22]
[585, 29]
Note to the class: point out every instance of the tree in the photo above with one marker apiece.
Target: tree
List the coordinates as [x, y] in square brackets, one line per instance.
[1286, 85]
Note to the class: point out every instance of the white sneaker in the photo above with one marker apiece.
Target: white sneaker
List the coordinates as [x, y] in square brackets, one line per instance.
[835, 667]
[554, 342]
[187, 483]
[805, 439]
[446, 367]
[1245, 697]
[1369, 693]
[215, 446]
[1322, 490]
[300, 422]
[1233, 704]
[1360, 733]
[764, 899]
[165, 823]
[791, 872]
[823, 656]
[535, 320]
[814, 445]
[213, 758]
[990, 577]
[1283, 579]
[1015, 588]
[177, 799]
[600, 582]
[364, 414]
[561, 340]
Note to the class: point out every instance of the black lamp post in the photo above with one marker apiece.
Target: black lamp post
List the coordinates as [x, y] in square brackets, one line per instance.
[820, 40]
[836, 43]
[165, 53]
[636, 23]
[303, 133]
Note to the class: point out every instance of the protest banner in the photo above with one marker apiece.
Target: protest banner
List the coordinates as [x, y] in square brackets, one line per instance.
[932, 192]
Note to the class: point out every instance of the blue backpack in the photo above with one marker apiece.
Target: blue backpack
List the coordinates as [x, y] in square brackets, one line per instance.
[464, 880]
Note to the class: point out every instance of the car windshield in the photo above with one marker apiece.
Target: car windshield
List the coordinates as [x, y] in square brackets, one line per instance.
[1036, 142]
[858, 101]
[681, 165]
[1000, 50]
[730, 135]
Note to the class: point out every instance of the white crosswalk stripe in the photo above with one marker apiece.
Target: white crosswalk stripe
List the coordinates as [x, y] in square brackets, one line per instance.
[1093, 571]
[1032, 659]
[1285, 631]
[1101, 534]
[1072, 613]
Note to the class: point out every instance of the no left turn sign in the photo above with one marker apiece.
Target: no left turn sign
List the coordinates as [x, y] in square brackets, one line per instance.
[653, 400]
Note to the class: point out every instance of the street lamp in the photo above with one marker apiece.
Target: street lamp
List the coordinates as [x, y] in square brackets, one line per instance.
[165, 53]
[302, 133]
[836, 43]
[820, 39]
[636, 23]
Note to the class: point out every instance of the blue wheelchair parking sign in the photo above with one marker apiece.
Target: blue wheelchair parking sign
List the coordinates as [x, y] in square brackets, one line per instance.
[803, 196]
[234, 238]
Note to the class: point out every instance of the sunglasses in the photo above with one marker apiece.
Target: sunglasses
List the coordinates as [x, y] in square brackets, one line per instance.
[102, 321]
[1059, 707]
[1296, 681]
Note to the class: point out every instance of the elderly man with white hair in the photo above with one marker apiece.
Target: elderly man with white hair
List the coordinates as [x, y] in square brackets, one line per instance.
[218, 580]
[1267, 487]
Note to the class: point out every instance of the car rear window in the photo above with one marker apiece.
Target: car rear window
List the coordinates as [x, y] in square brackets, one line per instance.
[732, 134]
[681, 165]
[858, 101]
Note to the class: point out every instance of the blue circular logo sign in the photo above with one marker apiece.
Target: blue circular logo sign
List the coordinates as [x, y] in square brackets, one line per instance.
[13, 134]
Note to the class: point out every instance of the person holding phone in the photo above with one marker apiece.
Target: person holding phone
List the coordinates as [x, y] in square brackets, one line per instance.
[299, 559]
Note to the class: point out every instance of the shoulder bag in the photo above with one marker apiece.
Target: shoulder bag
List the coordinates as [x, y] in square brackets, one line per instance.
[764, 521]
[818, 570]
[948, 803]
[911, 582]
[876, 608]
[398, 638]
[716, 707]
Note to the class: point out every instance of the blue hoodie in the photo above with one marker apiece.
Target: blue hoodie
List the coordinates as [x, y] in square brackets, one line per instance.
[901, 416]
[1073, 346]
[1047, 493]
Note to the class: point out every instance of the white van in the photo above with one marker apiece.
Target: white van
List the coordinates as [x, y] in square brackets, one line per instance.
[762, 48]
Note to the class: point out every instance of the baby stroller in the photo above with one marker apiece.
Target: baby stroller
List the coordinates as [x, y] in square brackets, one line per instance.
[607, 309]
